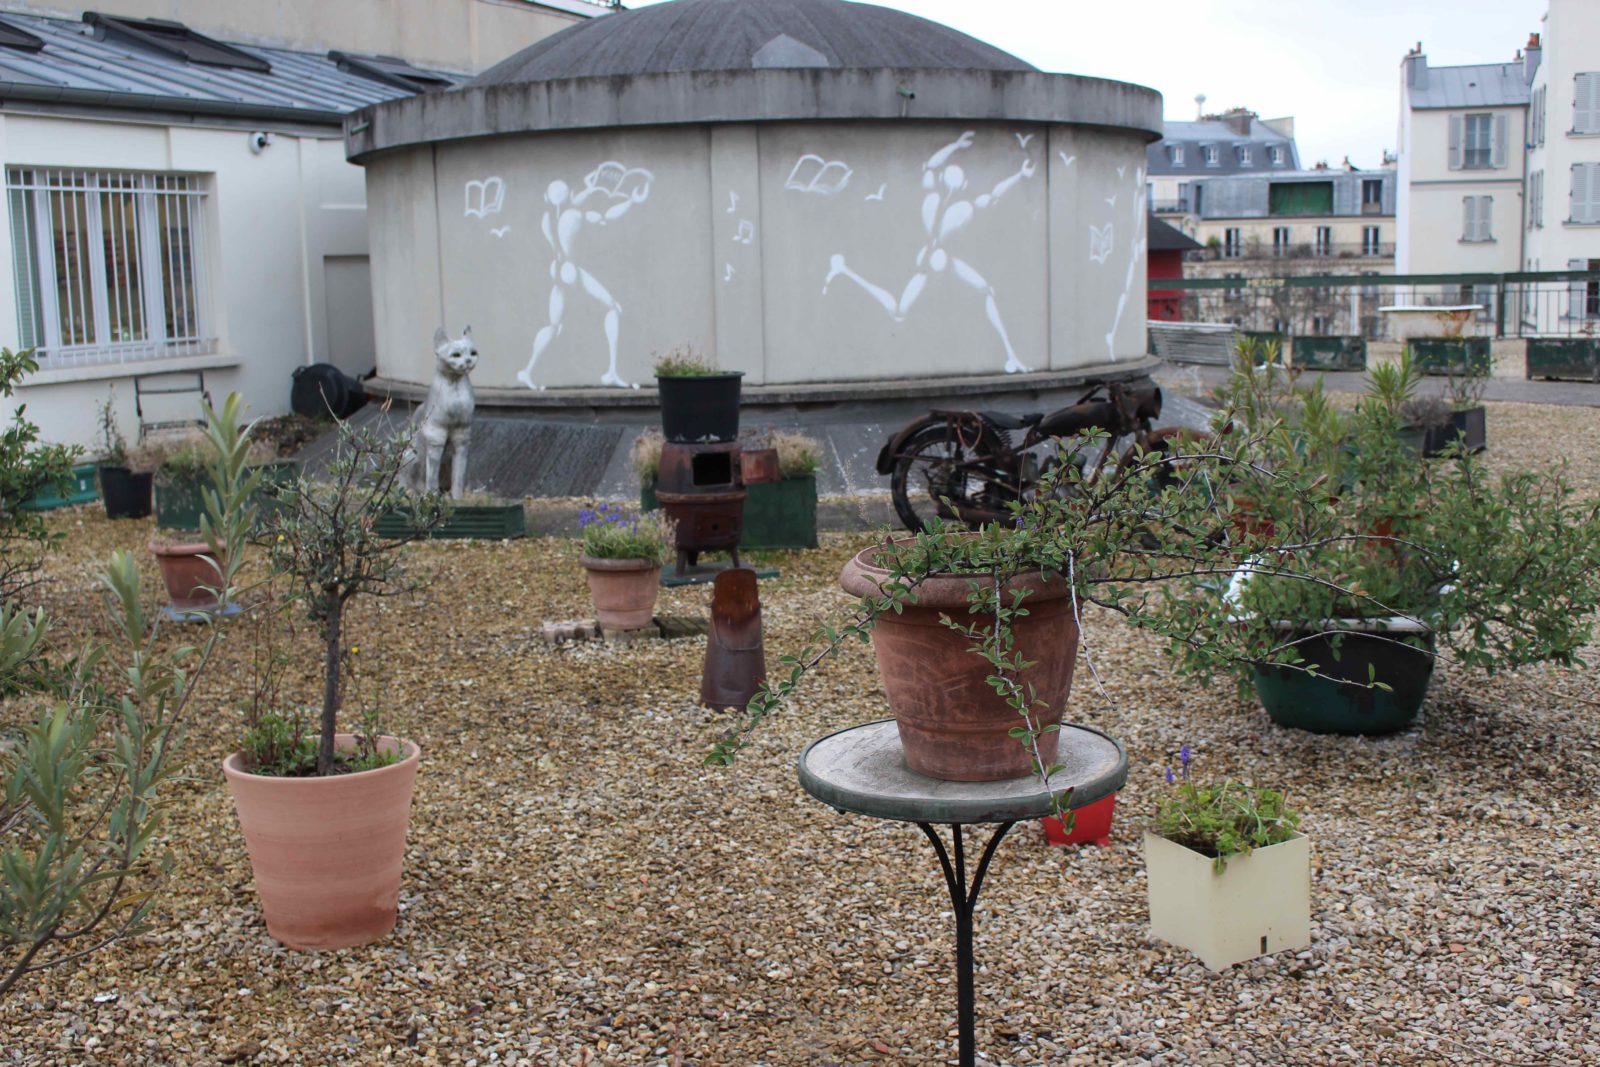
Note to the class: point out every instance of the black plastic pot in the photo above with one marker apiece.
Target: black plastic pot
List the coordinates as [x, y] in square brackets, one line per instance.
[322, 390]
[1337, 699]
[126, 494]
[699, 408]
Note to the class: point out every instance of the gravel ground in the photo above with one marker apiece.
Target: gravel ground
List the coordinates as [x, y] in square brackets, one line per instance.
[579, 890]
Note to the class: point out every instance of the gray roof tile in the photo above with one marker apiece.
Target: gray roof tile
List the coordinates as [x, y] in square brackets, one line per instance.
[1482, 85]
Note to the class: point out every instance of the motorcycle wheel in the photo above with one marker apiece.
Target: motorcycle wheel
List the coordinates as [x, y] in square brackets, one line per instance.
[935, 464]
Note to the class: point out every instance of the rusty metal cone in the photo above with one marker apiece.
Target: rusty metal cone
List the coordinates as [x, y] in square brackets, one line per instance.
[736, 662]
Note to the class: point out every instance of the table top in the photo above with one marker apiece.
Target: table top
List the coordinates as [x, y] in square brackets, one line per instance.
[861, 771]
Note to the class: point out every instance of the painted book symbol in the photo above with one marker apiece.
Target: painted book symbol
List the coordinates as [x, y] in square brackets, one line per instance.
[485, 198]
[1100, 242]
[813, 174]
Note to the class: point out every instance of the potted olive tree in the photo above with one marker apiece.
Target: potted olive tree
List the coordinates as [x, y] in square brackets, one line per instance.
[324, 812]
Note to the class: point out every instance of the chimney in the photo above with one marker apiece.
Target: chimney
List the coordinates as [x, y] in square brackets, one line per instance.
[1416, 65]
[1530, 60]
[1238, 120]
[1347, 165]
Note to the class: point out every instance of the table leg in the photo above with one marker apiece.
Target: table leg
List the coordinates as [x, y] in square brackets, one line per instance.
[964, 901]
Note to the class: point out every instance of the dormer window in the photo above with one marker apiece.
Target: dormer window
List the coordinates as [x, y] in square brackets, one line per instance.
[1244, 155]
[1213, 157]
[1176, 152]
[19, 39]
[1275, 153]
[390, 71]
[175, 40]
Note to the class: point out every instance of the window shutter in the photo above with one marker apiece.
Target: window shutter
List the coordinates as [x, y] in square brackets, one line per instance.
[1502, 132]
[1580, 193]
[1485, 207]
[1586, 103]
[1455, 142]
[1469, 217]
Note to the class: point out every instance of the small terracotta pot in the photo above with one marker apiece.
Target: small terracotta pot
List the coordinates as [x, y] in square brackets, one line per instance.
[624, 591]
[188, 571]
[327, 852]
[953, 725]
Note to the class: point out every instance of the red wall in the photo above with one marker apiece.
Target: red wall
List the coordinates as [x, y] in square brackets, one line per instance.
[1166, 304]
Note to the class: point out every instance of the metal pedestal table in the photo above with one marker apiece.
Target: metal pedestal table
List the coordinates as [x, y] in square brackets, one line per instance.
[861, 770]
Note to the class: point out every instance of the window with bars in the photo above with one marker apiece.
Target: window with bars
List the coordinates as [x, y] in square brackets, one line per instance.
[110, 265]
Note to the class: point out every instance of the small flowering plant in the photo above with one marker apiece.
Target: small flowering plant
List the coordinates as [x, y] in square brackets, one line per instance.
[1222, 820]
[612, 532]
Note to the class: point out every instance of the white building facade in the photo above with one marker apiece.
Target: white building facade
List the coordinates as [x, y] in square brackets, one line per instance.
[1561, 224]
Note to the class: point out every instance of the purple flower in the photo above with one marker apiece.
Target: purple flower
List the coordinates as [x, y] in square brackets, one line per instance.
[1170, 778]
[1183, 756]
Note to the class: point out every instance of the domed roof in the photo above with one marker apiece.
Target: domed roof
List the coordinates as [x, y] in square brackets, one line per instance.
[721, 35]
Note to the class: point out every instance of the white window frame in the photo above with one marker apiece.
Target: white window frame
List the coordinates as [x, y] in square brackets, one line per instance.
[1213, 156]
[1584, 199]
[1372, 240]
[173, 302]
[1323, 244]
[1479, 120]
[1232, 243]
[1177, 155]
[1275, 155]
[1244, 155]
[1281, 239]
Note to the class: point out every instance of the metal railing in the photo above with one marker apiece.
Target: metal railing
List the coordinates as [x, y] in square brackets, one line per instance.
[1259, 249]
[1388, 306]
[1161, 207]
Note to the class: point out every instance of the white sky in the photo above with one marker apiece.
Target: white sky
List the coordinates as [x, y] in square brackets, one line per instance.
[1332, 64]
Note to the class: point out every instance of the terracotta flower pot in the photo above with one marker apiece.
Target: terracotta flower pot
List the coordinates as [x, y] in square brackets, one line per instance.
[327, 852]
[189, 573]
[624, 591]
[953, 725]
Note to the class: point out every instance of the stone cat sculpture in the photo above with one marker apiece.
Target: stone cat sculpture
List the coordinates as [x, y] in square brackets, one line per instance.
[445, 419]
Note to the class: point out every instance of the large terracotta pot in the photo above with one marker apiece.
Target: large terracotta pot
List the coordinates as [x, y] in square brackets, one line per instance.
[189, 573]
[327, 852]
[953, 725]
[624, 591]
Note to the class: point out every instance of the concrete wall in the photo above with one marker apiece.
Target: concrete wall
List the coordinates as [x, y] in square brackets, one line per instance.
[273, 220]
[456, 35]
[1571, 41]
[796, 252]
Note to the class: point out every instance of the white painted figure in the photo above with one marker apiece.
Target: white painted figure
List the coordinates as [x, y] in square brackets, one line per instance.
[1137, 228]
[946, 210]
[617, 188]
[445, 419]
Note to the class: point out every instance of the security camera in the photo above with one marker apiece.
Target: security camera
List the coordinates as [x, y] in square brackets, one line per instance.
[259, 141]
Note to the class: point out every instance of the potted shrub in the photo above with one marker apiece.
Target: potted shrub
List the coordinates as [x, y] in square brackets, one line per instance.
[699, 400]
[1229, 873]
[1406, 560]
[27, 468]
[1451, 351]
[324, 812]
[622, 557]
[179, 462]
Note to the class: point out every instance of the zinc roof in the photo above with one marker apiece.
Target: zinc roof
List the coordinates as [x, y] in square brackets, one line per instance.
[1481, 85]
[76, 67]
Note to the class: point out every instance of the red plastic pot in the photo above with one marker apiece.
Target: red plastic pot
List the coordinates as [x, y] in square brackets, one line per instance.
[1091, 825]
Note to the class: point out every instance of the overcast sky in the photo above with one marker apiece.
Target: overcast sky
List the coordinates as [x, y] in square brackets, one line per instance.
[1332, 64]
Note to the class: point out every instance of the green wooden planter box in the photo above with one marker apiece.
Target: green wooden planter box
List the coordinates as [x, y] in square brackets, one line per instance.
[1346, 352]
[483, 522]
[1265, 337]
[280, 473]
[1573, 358]
[180, 501]
[1451, 355]
[84, 489]
[776, 514]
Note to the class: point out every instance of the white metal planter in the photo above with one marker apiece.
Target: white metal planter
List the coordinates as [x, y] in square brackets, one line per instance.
[1258, 904]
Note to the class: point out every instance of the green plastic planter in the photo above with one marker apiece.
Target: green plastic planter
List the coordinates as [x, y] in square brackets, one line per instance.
[1345, 352]
[483, 522]
[180, 501]
[1451, 355]
[1337, 700]
[777, 515]
[1573, 358]
[84, 489]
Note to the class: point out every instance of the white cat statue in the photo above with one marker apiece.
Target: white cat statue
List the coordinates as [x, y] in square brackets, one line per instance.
[446, 417]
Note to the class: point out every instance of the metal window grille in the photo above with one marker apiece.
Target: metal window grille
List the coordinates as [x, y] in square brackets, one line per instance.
[110, 265]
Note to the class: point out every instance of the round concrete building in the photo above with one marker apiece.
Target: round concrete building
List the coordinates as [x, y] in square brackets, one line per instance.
[807, 190]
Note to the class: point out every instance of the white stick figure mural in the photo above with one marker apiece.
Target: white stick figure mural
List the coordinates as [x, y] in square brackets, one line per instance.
[615, 188]
[946, 210]
[1139, 239]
